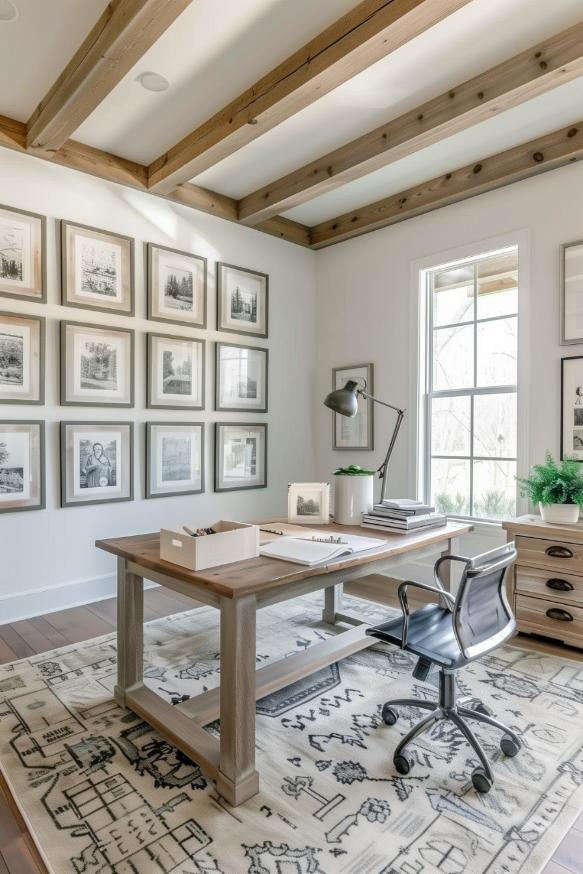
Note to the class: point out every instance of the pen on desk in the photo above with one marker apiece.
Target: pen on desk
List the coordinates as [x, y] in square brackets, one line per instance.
[271, 531]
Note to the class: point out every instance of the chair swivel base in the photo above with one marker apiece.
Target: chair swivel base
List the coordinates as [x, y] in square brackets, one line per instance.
[447, 708]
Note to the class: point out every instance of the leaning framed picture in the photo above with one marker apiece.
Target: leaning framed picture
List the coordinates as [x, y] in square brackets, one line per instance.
[97, 365]
[23, 265]
[22, 345]
[96, 462]
[176, 286]
[97, 269]
[242, 300]
[357, 432]
[308, 503]
[572, 293]
[174, 458]
[572, 407]
[240, 456]
[175, 372]
[241, 378]
[22, 460]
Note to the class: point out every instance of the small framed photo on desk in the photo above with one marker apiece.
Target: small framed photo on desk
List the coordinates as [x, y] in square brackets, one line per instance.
[308, 503]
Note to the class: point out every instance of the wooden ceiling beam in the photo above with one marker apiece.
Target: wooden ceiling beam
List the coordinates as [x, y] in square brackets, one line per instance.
[544, 153]
[539, 69]
[124, 32]
[364, 35]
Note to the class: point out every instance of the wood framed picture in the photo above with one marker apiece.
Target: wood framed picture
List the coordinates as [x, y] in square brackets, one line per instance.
[174, 458]
[96, 463]
[176, 286]
[97, 269]
[23, 264]
[22, 463]
[97, 365]
[572, 293]
[22, 348]
[176, 367]
[241, 374]
[308, 503]
[240, 456]
[572, 407]
[242, 300]
[358, 432]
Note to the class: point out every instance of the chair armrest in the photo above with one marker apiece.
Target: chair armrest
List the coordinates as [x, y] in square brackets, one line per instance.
[442, 560]
[404, 602]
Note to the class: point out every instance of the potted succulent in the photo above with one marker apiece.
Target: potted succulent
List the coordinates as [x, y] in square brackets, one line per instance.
[557, 488]
[353, 493]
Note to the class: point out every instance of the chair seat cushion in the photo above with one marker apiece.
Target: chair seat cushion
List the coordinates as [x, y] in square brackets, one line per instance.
[430, 635]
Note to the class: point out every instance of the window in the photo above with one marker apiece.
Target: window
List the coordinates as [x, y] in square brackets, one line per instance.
[471, 413]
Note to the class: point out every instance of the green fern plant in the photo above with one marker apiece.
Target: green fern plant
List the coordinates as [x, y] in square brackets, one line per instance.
[554, 483]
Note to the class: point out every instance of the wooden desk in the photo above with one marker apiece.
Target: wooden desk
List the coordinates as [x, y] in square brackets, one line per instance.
[238, 590]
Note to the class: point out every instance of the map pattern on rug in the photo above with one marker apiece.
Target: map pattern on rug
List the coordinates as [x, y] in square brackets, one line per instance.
[103, 793]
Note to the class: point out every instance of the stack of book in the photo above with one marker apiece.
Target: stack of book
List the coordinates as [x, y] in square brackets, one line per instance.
[402, 514]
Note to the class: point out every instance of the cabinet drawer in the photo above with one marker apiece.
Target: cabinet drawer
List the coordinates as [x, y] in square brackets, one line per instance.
[553, 554]
[566, 588]
[551, 618]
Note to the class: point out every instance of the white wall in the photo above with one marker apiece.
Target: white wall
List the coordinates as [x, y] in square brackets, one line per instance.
[48, 560]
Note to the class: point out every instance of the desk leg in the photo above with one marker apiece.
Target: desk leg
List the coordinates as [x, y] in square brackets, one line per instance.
[332, 603]
[237, 779]
[130, 631]
[445, 571]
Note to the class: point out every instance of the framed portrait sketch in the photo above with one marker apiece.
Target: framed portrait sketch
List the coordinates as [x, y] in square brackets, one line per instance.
[240, 456]
[358, 432]
[176, 286]
[97, 365]
[96, 462]
[242, 300]
[572, 293]
[22, 254]
[175, 372]
[241, 378]
[97, 269]
[22, 460]
[572, 407]
[22, 345]
[308, 503]
[174, 458]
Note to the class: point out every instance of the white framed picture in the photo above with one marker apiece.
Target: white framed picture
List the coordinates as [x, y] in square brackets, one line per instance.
[242, 300]
[356, 432]
[241, 378]
[97, 269]
[176, 367]
[97, 365]
[174, 458]
[22, 475]
[240, 456]
[22, 254]
[22, 342]
[96, 462]
[572, 293]
[176, 286]
[308, 503]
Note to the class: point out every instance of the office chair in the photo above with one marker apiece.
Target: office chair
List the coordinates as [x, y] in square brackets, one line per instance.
[478, 620]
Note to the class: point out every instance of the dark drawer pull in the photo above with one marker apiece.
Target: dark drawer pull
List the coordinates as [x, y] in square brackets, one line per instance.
[559, 552]
[560, 585]
[561, 615]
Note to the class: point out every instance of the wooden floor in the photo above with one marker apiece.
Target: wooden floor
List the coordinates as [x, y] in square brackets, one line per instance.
[32, 636]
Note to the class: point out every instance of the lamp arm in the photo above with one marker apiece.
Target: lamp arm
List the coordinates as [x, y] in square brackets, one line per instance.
[370, 397]
[382, 470]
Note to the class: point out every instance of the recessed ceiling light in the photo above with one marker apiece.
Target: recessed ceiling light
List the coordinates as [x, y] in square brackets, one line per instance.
[8, 11]
[151, 81]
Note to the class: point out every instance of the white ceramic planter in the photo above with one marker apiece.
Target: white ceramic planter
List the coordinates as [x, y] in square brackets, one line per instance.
[559, 514]
[353, 496]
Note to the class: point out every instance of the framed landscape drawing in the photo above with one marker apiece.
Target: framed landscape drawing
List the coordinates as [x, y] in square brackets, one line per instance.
[22, 254]
[96, 462]
[357, 432]
[97, 269]
[175, 372]
[240, 456]
[174, 458]
[242, 300]
[97, 365]
[308, 503]
[572, 407]
[22, 343]
[572, 293]
[176, 286]
[22, 475]
[241, 378]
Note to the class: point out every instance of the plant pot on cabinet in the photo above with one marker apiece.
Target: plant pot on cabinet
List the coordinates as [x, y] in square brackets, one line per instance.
[353, 496]
[559, 514]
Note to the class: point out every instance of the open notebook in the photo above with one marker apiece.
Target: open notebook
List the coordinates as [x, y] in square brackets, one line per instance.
[304, 550]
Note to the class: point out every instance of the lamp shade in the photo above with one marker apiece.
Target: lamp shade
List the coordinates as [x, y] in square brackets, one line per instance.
[344, 400]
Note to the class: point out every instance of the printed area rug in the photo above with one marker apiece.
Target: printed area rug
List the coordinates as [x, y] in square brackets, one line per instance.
[102, 792]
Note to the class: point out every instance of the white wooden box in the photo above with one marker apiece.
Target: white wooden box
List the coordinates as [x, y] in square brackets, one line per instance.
[233, 541]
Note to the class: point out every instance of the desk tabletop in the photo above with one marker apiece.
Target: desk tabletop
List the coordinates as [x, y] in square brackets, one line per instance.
[260, 574]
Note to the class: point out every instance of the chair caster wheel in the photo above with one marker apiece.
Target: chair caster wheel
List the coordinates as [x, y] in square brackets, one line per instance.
[509, 746]
[402, 763]
[481, 708]
[389, 716]
[481, 781]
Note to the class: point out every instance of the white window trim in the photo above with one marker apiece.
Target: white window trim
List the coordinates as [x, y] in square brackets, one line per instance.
[418, 347]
